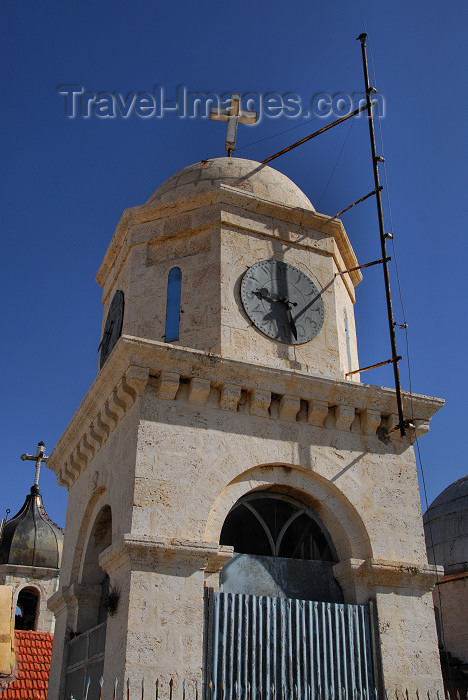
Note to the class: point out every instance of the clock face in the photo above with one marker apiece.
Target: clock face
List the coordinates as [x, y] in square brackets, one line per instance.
[282, 302]
[113, 327]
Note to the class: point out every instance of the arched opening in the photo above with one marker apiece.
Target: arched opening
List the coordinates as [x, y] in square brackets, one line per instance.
[281, 549]
[342, 521]
[278, 598]
[92, 610]
[273, 524]
[85, 656]
[27, 608]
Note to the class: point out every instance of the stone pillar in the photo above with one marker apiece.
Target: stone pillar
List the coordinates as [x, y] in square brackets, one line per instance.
[406, 632]
[57, 604]
[157, 630]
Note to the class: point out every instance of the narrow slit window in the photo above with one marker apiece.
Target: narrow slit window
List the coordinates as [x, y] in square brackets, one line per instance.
[174, 285]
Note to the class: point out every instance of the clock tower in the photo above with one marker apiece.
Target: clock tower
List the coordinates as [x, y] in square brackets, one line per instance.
[225, 464]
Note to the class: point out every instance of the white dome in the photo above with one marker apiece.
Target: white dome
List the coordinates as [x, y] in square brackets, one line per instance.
[446, 528]
[246, 175]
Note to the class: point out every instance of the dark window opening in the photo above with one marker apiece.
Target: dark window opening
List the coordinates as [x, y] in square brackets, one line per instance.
[275, 525]
[92, 611]
[26, 609]
[174, 287]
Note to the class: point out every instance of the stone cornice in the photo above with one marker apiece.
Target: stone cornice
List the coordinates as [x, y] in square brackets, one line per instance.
[143, 551]
[28, 571]
[126, 236]
[134, 360]
[103, 407]
[387, 574]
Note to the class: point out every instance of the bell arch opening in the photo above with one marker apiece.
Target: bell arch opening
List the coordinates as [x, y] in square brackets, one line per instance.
[94, 580]
[86, 647]
[27, 609]
[281, 549]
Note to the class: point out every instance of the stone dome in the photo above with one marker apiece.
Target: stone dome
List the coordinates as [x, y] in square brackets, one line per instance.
[446, 528]
[247, 175]
[30, 538]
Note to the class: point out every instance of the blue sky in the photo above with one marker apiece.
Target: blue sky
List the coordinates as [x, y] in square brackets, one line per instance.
[66, 181]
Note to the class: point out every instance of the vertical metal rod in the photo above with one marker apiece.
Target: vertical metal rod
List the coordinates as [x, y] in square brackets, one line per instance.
[378, 197]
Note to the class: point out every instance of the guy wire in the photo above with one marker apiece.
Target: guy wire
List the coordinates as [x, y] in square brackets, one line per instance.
[336, 164]
[279, 133]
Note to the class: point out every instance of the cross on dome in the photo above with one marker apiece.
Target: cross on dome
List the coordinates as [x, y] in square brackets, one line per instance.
[233, 115]
[39, 457]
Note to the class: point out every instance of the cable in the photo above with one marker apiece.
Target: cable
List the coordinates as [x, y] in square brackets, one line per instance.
[266, 138]
[336, 164]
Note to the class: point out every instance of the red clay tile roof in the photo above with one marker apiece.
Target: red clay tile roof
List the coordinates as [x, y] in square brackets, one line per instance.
[33, 651]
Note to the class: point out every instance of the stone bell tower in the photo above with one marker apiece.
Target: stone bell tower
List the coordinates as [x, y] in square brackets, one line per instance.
[224, 470]
[30, 557]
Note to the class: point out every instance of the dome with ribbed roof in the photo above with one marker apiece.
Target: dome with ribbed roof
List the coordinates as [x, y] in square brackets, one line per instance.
[446, 528]
[246, 175]
[30, 538]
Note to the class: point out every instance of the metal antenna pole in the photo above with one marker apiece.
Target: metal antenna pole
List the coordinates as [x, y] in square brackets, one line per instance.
[391, 324]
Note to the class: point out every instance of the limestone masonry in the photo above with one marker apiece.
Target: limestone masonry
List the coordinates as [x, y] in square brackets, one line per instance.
[170, 436]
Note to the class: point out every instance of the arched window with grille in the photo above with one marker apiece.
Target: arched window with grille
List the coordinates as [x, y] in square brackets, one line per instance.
[281, 549]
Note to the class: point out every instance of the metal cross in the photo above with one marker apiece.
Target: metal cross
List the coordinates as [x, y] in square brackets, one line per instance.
[233, 115]
[39, 457]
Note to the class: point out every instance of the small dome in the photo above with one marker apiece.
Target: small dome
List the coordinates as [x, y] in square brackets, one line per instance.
[446, 528]
[246, 175]
[30, 538]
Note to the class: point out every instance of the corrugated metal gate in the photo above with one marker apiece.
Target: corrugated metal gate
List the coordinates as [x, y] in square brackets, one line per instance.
[260, 647]
[86, 663]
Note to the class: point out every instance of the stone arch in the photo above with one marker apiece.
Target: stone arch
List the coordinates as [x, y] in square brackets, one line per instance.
[100, 537]
[275, 524]
[96, 502]
[28, 604]
[93, 580]
[337, 513]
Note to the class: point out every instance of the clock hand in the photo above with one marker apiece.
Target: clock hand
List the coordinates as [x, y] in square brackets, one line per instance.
[292, 325]
[275, 297]
[271, 296]
[263, 292]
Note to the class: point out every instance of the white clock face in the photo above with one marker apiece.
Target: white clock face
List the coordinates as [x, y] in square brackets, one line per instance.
[282, 302]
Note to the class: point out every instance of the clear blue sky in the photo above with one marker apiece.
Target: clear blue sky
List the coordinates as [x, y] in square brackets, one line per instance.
[66, 181]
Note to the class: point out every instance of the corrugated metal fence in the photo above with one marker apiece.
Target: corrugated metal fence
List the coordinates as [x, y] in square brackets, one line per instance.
[307, 648]
[167, 689]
